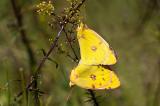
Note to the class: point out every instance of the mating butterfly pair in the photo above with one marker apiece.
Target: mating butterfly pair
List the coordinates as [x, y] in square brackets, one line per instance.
[91, 72]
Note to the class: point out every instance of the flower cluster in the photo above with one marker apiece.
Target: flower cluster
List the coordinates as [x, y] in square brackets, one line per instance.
[45, 8]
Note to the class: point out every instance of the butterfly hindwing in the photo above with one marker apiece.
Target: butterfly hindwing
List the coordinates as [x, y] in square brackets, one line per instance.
[94, 77]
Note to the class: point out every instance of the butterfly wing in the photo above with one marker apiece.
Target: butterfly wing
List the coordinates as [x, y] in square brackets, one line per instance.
[94, 77]
[93, 48]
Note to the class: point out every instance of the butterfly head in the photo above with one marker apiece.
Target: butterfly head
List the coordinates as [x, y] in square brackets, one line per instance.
[80, 29]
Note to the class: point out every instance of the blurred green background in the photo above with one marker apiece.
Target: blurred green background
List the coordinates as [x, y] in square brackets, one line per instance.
[132, 28]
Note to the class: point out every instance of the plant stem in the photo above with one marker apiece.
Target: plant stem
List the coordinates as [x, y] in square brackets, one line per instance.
[93, 97]
[25, 41]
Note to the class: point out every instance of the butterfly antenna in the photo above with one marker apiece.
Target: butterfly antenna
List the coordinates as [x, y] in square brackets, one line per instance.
[69, 94]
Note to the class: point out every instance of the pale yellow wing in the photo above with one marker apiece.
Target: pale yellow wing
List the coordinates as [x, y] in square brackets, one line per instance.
[94, 77]
[94, 49]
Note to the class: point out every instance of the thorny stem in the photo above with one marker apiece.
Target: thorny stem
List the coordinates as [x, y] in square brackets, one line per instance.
[35, 76]
[53, 45]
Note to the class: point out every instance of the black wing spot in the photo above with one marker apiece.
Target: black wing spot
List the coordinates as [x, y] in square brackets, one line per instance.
[103, 79]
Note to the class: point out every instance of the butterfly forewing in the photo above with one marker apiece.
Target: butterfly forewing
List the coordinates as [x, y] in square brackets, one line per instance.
[93, 48]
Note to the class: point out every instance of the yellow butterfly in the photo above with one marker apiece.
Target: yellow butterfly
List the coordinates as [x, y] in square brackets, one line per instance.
[94, 49]
[94, 77]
